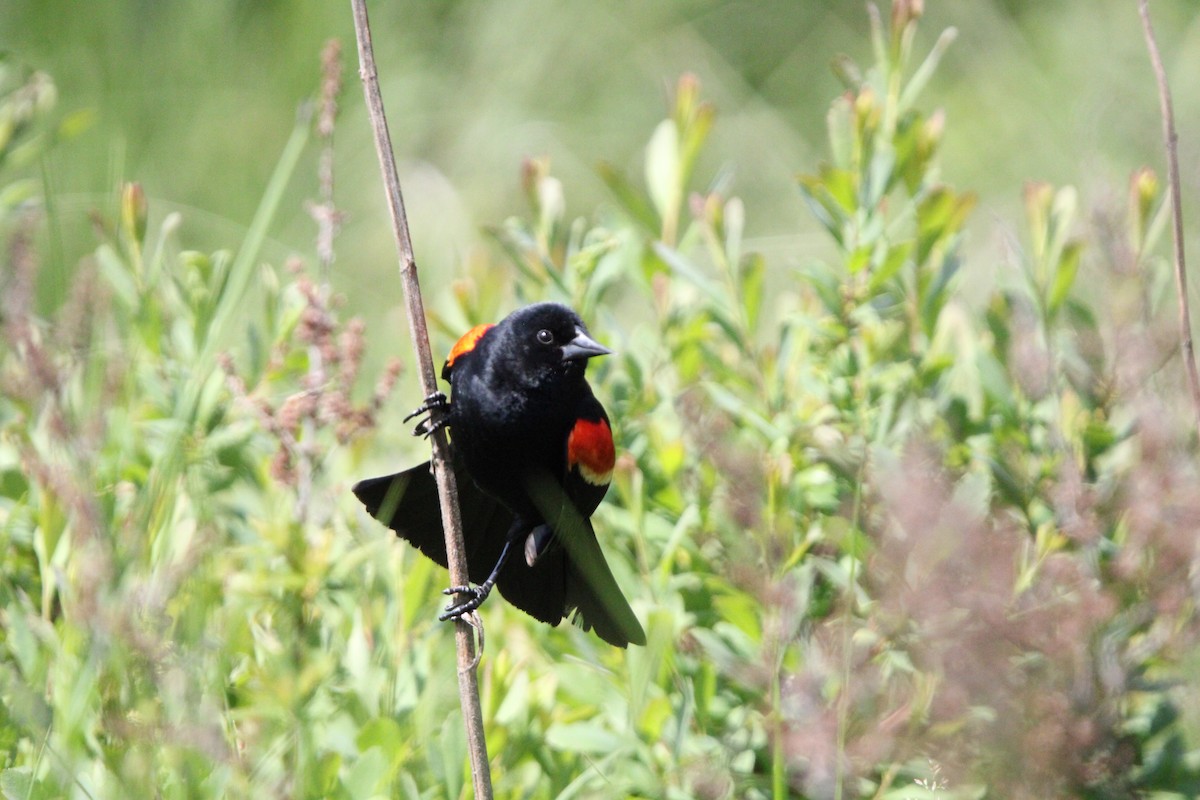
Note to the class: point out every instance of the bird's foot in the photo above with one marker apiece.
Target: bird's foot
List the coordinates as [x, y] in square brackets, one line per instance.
[475, 597]
[435, 402]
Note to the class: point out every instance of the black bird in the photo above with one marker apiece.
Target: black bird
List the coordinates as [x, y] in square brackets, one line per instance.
[533, 454]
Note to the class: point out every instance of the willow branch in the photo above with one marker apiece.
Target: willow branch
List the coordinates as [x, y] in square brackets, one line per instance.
[468, 686]
[1172, 145]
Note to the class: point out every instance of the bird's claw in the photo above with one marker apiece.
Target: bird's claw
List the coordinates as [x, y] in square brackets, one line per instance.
[475, 597]
[434, 402]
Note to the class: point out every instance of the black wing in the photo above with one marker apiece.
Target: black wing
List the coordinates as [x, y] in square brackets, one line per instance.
[573, 575]
[407, 502]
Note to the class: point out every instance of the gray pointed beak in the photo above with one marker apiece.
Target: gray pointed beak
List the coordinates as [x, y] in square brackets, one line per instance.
[583, 347]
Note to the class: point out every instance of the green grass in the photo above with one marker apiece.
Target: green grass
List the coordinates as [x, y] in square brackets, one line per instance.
[892, 533]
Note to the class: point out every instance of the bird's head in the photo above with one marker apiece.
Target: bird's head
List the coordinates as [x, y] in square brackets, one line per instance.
[551, 339]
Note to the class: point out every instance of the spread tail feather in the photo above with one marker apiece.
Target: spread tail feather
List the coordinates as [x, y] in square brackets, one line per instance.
[407, 502]
[572, 574]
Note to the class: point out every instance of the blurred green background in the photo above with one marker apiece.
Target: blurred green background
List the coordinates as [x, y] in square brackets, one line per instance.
[195, 100]
[303, 647]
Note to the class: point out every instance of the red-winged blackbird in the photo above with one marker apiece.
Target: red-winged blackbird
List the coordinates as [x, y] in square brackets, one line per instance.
[533, 453]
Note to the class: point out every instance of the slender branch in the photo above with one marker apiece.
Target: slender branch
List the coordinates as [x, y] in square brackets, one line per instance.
[468, 686]
[1172, 144]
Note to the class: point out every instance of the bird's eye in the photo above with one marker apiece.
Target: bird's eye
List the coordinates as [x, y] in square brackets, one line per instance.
[545, 337]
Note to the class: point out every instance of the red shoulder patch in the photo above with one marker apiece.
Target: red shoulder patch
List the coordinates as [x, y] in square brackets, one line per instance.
[590, 448]
[466, 344]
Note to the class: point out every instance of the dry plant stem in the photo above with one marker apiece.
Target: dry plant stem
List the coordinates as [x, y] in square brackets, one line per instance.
[1172, 144]
[325, 215]
[468, 686]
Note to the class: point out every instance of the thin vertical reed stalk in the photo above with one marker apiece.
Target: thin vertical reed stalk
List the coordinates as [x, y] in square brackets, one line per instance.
[468, 686]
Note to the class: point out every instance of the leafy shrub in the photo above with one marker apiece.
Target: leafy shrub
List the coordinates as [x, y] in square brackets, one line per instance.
[885, 542]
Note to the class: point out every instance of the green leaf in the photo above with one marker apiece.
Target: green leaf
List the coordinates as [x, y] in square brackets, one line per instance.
[516, 702]
[682, 266]
[17, 193]
[897, 256]
[879, 176]
[1143, 193]
[846, 71]
[937, 293]
[940, 215]
[824, 206]
[826, 282]
[1064, 277]
[587, 778]
[383, 733]
[367, 774]
[663, 176]
[1098, 437]
[694, 135]
[752, 277]
[1038, 196]
[16, 783]
[841, 184]
[740, 409]
[119, 276]
[583, 737]
[839, 125]
[630, 200]
[920, 77]
[453, 741]
[607, 607]
[734, 226]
